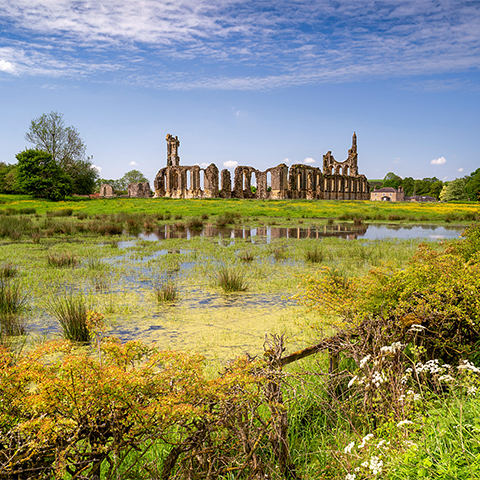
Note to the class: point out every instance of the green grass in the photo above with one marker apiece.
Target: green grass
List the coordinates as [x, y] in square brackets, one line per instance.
[228, 211]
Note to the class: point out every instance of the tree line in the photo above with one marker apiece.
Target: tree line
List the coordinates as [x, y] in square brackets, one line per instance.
[57, 165]
[460, 189]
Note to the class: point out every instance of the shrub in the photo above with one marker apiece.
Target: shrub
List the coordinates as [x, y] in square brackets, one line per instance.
[71, 312]
[231, 280]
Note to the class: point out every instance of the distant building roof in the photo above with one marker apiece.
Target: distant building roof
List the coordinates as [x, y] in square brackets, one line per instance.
[386, 189]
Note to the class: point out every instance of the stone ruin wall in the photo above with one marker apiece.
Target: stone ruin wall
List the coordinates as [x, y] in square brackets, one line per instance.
[139, 190]
[337, 181]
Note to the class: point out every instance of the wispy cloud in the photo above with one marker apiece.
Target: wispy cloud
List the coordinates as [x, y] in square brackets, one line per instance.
[309, 160]
[460, 170]
[190, 44]
[97, 168]
[439, 161]
[133, 163]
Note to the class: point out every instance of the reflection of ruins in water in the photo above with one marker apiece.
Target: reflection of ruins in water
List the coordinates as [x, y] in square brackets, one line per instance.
[347, 231]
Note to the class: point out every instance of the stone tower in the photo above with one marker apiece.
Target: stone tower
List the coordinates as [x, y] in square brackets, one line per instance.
[173, 160]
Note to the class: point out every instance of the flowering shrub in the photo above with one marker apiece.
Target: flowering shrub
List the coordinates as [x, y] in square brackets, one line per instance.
[64, 411]
[440, 291]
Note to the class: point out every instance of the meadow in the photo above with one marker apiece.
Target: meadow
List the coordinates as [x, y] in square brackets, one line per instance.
[91, 265]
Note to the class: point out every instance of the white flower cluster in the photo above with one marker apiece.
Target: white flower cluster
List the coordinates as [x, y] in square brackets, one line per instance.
[410, 395]
[446, 378]
[375, 465]
[350, 476]
[365, 439]
[432, 366]
[466, 365]
[472, 390]
[378, 378]
[416, 329]
[393, 348]
[349, 447]
[404, 422]
[364, 360]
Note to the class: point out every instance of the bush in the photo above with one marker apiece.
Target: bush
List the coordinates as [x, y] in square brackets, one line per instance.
[166, 292]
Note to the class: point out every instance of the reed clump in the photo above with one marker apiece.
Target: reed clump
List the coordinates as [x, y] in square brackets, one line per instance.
[166, 291]
[231, 280]
[12, 305]
[62, 260]
[315, 255]
[71, 312]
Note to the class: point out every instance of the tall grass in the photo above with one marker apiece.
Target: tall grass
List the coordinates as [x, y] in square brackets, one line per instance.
[166, 291]
[12, 304]
[71, 312]
[62, 260]
[231, 280]
[315, 255]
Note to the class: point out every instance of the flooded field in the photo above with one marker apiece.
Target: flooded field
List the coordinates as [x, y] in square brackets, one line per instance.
[121, 279]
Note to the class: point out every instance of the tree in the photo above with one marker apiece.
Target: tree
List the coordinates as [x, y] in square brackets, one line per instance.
[435, 189]
[38, 174]
[392, 180]
[133, 176]
[408, 185]
[454, 191]
[50, 134]
[7, 178]
[473, 185]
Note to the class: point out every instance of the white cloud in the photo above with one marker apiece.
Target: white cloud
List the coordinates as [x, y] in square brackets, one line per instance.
[97, 168]
[286, 160]
[230, 164]
[6, 66]
[204, 164]
[133, 163]
[309, 160]
[439, 161]
[460, 170]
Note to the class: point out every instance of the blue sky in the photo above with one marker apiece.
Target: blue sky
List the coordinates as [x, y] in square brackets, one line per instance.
[248, 82]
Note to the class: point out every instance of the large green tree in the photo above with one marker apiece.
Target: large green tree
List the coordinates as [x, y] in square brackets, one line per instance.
[133, 176]
[7, 178]
[38, 174]
[50, 134]
[454, 191]
[473, 185]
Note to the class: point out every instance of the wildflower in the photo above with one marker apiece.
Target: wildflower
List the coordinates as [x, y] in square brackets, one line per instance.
[404, 422]
[376, 465]
[349, 447]
[381, 443]
[466, 365]
[378, 378]
[350, 476]
[364, 360]
[365, 439]
[352, 381]
[410, 444]
[416, 328]
[472, 390]
[446, 378]
[393, 348]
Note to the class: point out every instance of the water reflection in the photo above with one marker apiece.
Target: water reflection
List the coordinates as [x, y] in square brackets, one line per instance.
[341, 230]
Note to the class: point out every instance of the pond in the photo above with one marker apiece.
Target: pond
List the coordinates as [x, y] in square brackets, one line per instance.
[342, 230]
[121, 278]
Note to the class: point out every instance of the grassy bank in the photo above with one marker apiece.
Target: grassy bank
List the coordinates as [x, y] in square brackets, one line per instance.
[282, 209]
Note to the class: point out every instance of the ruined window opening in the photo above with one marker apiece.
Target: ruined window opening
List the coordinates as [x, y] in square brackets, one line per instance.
[269, 181]
[202, 179]
[189, 180]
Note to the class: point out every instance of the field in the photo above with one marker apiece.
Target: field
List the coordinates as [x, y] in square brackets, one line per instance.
[218, 296]
[279, 209]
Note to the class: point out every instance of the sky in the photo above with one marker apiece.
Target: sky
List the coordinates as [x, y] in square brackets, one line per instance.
[254, 83]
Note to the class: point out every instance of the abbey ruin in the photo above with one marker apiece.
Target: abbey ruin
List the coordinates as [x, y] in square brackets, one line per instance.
[336, 181]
